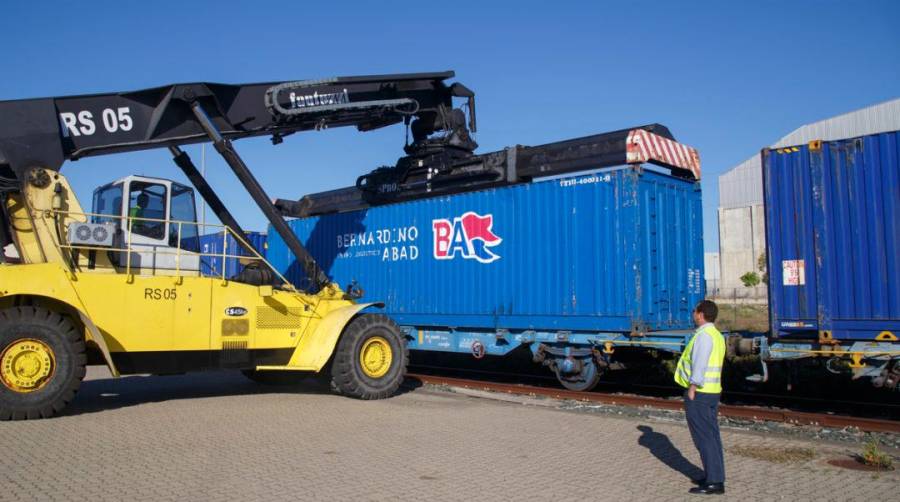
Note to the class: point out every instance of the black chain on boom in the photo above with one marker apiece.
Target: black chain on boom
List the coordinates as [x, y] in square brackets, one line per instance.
[328, 102]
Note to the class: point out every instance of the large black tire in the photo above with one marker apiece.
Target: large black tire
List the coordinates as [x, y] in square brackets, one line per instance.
[19, 325]
[348, 375]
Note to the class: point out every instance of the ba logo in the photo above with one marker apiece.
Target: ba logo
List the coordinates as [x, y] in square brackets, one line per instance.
[469, 236]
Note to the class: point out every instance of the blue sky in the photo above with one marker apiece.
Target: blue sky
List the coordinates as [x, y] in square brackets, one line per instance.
[725, 77]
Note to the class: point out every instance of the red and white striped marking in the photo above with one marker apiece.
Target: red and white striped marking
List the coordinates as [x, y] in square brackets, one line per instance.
[644, 146]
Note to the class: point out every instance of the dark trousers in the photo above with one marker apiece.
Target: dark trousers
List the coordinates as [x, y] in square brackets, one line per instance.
[703, 423]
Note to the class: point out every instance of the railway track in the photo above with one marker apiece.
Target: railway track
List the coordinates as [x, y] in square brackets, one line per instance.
[755, 413]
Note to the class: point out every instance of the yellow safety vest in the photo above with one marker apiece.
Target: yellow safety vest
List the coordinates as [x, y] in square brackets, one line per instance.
[135, 213]
[712, 378]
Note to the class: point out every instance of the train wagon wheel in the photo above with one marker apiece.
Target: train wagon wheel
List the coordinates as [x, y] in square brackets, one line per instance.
[42, 363]
[371, 358]
[584, 381]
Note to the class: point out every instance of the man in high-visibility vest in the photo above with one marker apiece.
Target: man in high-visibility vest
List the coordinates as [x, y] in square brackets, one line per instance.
[136, 212]
[700, 372]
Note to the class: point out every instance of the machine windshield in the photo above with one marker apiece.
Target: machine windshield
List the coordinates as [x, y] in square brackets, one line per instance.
[147, 200]
[107, 201]
[183, 210]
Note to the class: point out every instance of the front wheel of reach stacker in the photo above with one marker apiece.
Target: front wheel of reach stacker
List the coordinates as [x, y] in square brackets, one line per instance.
[371, 358]
[42, 363]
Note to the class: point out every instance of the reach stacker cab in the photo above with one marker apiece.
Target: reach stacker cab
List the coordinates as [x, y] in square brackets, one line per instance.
[120, 285]
[156, 216]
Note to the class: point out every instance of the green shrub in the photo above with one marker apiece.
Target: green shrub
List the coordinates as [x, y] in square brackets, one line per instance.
[750, 279]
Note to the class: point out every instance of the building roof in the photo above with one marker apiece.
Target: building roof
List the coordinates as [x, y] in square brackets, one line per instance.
[742, 185]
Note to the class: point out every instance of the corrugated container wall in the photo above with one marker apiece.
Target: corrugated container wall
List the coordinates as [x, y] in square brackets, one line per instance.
[833, 237]
[213, 244]
[611, 251]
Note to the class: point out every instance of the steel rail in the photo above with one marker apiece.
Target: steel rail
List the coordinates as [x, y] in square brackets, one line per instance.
[639, 387]
[727, 410]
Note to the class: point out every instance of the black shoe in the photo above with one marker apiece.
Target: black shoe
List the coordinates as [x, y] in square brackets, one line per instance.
[699, 482]
[708, 489]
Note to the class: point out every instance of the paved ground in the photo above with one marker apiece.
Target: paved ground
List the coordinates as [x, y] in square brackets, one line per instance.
[219, 437]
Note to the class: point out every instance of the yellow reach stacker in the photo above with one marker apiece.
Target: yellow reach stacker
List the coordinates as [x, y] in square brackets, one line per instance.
[121, 285]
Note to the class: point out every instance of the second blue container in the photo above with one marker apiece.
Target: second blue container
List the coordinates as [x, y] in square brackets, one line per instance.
[833, 238]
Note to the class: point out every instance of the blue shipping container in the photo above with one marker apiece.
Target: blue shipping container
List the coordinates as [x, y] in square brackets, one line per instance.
[833, 238]
[213, 243]
[617, 251]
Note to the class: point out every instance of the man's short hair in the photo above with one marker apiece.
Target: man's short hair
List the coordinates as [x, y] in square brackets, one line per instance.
[709, 309]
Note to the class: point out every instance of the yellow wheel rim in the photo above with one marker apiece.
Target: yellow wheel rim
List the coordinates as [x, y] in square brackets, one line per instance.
[26, 365]
[375, 357]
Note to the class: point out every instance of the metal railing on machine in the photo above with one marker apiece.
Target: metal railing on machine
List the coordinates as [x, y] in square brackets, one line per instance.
[179, 252]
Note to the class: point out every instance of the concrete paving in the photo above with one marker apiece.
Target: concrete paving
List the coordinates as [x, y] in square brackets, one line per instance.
[217, 436]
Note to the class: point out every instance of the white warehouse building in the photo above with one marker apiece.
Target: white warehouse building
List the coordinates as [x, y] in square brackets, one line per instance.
[742, 234]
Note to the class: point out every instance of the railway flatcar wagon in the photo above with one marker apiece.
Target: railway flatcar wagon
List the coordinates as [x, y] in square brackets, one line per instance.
[833, 241]
[572, 267]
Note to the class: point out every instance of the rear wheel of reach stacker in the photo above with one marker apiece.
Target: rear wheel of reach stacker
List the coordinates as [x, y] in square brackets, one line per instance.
[371, 358]
[42, 362]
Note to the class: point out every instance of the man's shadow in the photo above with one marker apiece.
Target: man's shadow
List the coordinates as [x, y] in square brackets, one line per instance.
[662, 448]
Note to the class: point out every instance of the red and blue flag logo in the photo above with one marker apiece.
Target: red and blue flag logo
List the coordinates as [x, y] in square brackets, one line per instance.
[469, 236]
